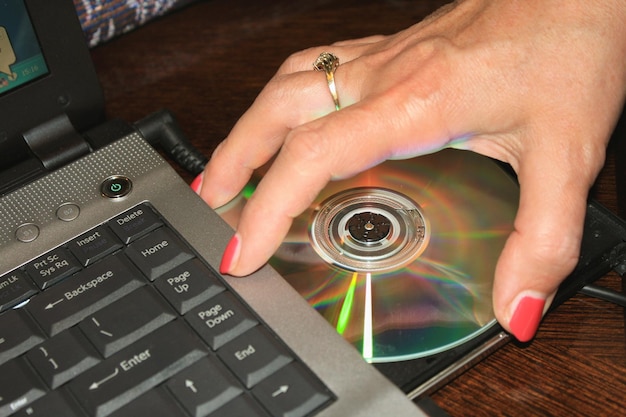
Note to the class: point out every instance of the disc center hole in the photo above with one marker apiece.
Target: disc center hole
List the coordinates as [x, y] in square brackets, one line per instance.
[368, 227]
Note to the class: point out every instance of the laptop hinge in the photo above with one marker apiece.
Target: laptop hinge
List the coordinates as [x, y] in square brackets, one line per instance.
[56, 142]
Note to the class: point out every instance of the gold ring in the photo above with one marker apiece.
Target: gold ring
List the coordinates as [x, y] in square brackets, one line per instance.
[328, 63]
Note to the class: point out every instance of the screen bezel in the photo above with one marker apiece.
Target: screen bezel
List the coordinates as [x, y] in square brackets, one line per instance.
[71, 85]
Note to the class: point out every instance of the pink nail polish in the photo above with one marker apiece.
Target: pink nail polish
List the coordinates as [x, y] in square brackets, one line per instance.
[231, 254]
[526, 318]
[196, 184]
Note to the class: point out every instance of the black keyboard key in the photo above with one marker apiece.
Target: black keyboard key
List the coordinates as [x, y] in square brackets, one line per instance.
[127, 320]
[220, 319]
[94, 245]
[159, 252]
[188, 285]
[63, 357]
[154, 403]
[15, 287]
[98, 304]
[135, 223]
[19, 386]
[18, 333]
[136, 369]
[69, 302]
[52, 267]
[242, 406]
[53, 404]
[291, 391]
[254, 356]
[204, 386]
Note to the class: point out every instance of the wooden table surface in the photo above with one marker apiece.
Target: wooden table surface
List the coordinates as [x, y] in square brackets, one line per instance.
[208, 61]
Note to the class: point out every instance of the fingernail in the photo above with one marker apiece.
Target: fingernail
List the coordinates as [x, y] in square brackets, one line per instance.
[527, 317]
[196, 184]
[231, 254]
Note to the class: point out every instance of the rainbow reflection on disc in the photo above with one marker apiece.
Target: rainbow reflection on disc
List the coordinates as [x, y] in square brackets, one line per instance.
[400, 259]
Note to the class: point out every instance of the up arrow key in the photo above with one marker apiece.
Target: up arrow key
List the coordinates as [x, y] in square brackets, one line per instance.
[189, 384]
[283, 389]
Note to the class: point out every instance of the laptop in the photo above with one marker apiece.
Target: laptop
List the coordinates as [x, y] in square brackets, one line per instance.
[110, 299]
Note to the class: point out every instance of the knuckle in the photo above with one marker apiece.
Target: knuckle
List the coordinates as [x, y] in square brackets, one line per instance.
[307, 145]
[276, 92]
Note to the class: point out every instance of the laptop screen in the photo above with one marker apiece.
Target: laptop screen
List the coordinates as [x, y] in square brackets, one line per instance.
[46, 74]
[21, 59]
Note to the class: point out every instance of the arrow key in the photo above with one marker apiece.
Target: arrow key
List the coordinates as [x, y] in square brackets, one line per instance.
[204, 386]
[292, 391]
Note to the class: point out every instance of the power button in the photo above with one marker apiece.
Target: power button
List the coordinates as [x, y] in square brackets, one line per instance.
[116, 186]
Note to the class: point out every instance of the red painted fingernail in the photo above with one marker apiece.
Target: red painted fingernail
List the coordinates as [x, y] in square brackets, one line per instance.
[231, 254]
[196, 184]
[526, 318]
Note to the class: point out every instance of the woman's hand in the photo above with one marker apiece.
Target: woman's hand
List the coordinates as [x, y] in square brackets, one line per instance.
[538, 84]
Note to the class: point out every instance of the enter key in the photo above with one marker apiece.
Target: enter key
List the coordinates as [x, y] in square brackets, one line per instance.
[134, 370]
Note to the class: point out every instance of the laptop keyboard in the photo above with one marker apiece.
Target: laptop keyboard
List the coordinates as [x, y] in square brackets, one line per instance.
[126, 320]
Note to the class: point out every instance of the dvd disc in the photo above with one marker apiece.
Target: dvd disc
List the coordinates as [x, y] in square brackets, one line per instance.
[400, 259]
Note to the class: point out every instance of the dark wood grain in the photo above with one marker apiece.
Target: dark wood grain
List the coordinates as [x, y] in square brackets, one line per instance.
[208, 62]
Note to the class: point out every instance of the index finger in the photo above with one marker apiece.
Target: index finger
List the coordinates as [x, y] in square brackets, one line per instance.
[257, 136]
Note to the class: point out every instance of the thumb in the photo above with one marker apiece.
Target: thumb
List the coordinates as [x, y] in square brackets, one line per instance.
[545, 244]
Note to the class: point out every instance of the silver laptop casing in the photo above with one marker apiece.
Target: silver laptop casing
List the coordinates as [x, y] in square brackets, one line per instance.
[360, 389]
